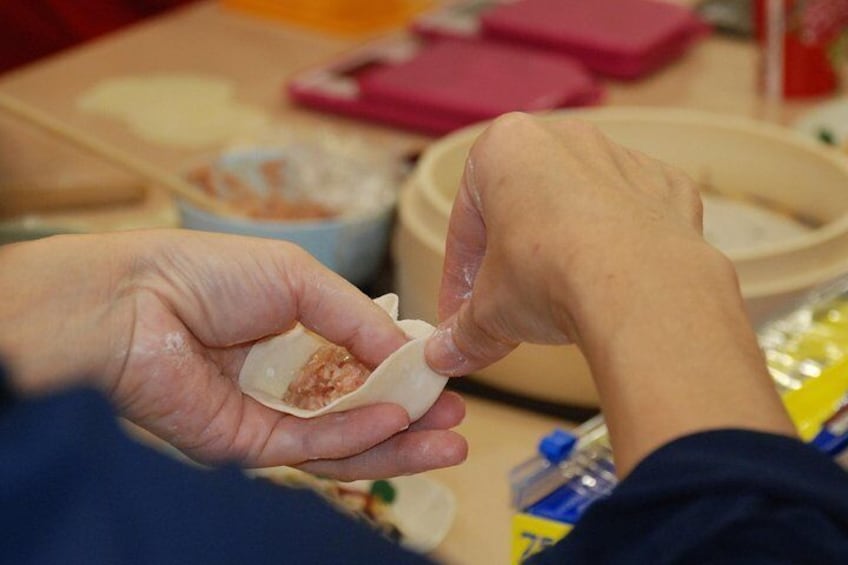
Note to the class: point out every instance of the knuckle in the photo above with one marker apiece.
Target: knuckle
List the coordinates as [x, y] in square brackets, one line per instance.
[645, 160]
[507, 126]
[513, 120]
[295, 252]
[687, 192]
[577, 126]
[507, 139]
[696, 209]
[687, 187]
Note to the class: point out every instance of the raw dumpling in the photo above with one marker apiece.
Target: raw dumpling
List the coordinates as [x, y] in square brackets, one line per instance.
[404, 378]
[330, 373]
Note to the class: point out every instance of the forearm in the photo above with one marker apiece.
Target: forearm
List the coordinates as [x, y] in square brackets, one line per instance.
[57, 322]
[674, 355]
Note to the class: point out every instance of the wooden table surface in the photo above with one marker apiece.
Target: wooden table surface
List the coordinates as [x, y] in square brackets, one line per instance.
[718, 75]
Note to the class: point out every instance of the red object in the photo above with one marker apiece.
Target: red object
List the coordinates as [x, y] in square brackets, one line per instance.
[472, 81]
[31, 29]
[810, 28]
[448, 84]
[619, 38]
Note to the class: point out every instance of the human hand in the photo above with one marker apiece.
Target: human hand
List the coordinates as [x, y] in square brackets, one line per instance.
[558, 234]
[165, 319]
[548, 218]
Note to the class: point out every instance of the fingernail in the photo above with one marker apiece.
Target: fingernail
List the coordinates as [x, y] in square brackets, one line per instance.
[442, 354]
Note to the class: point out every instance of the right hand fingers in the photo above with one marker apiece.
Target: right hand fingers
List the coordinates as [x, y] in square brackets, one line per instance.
[461, 346]
[541, 204]
[465, 246]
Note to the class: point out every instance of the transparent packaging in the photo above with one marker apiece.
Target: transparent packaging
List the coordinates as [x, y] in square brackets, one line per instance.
[587, 469]
[806, 351]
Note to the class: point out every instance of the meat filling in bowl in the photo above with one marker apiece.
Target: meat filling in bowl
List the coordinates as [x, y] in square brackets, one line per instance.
[271, 199]
[329, 374]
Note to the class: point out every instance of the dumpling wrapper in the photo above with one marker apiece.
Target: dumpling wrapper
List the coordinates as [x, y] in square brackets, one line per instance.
[403, 378]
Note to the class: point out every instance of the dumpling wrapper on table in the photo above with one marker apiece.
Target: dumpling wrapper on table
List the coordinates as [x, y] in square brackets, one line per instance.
[403, 378]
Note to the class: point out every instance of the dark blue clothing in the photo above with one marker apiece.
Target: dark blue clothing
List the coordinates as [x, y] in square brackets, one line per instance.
[74, 489]
[719, 497]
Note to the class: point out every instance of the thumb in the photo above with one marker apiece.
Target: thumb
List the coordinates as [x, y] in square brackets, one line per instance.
[461, 345]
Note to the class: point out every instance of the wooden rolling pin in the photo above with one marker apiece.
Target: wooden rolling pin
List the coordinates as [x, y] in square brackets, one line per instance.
[130, 163]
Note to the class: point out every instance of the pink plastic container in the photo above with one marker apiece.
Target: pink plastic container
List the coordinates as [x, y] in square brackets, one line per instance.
[446, 84]
[619, 38]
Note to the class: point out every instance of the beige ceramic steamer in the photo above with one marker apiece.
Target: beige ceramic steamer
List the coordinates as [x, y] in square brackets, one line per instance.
[736, 156]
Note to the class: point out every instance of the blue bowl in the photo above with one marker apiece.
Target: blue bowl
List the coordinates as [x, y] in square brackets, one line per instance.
[353, 244]
[353, 247]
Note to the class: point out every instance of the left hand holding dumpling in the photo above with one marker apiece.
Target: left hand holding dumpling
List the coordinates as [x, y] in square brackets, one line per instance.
[165, 320]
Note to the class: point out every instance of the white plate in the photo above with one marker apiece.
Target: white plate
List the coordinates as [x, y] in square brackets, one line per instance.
[831, 117]
[423, 509]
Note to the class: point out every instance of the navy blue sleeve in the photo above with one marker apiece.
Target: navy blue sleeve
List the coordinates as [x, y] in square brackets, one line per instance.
[727, 496]
[75, 490]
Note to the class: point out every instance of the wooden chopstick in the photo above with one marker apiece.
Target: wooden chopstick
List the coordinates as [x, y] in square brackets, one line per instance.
[21, 199]
[175, 185]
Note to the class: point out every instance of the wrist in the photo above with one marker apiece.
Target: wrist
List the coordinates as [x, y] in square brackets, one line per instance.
[58, 322]
[672, 352]
[687, 281]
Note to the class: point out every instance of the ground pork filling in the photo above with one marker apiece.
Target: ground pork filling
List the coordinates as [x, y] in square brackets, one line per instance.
[330, 373]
